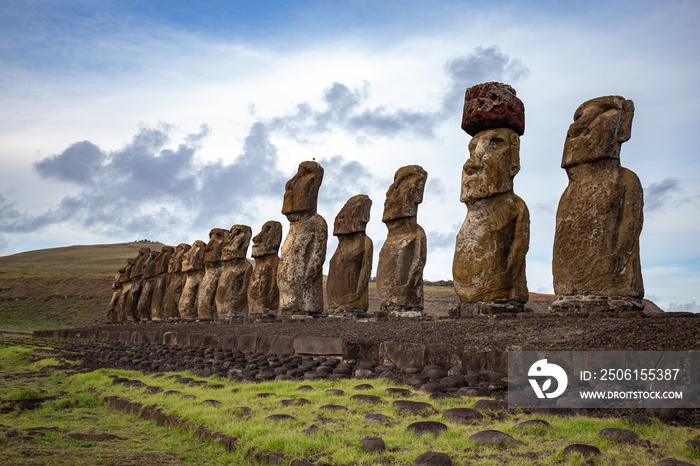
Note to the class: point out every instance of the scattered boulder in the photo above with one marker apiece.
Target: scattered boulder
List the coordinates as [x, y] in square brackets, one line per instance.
[581, 449]
[377, 418]
[491, 437]
[621, 435]
[372, 445]
[413, 406]
[533, 423]
[465, 415]
[427, 427]
[281, 417]
[334, 407]
[432, 458]
[367, 398]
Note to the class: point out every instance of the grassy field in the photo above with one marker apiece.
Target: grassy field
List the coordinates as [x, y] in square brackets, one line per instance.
[75, 425]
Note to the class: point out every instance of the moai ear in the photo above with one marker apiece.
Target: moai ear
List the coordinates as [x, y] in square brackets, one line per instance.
[514, 154]
[624, 131]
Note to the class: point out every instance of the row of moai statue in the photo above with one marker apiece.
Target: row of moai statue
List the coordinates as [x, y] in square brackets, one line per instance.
[595, 264]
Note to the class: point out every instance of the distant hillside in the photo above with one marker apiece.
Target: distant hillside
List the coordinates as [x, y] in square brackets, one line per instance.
[60, 287]
[93, 259]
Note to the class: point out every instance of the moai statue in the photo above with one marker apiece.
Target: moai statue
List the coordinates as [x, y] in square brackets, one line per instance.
[263, 295]
[193, 266]
[162, 262]
[402, 257]
[143, 308]
[351, 264]
[596, 243]
[176, 282]
[125, 286]
[300, 272]
[489, 260]
[112, 309]
[206, 301]
[136, 284]
[231, 294]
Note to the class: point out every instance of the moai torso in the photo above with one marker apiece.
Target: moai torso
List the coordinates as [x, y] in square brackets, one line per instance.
[136, 284]
[351, 265]
[161, 282]
[300, 272]
[403, 254]
[263, 294]
[176, 282]
[193, 267]
[143, 308]
[595, 263]
[231, 294]
[125, 286]
[206, 301]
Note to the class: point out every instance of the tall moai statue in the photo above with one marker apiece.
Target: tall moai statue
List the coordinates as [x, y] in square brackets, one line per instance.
[402, 257]
[351, 265]
[112, 308]
[263, 294]
[489, 261]
[232, 290]
[193, 266]
[125, 286]
[143, 308]
[136, 284]
[161, 282]
[595, 261]
[176, 282]
[300, 272]
[206, 301]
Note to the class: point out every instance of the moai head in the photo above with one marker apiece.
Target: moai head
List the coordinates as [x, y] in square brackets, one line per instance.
[126, 276]
[194, 258]
[301, 192]
[149, 267]
[494, 159]
[163, 259]
[404, 195]
[236, 244]
[175, 264]
[140, 262]
[268, 240]
[212, 252]
[600, 127]
[354, 215]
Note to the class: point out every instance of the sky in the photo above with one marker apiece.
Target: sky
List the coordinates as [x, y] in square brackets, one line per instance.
[160, 120]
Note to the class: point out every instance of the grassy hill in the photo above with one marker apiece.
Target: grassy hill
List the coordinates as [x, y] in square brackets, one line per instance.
[60, 287]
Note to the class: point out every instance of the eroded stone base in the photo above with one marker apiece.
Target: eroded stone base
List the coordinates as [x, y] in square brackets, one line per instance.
[347, 312]
[499, 306]
[403, 311]
[592, 303]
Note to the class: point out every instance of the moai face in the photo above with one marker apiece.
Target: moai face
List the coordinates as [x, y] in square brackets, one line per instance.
[268, 240]
[493, 162]
[163, 259]
[149, 267]
[600, 127]
[194, 258]
[212, 252]
[175, 264]
[236, 245]
[301, 192]
[404, 195]
[354, 215]
[127, 269]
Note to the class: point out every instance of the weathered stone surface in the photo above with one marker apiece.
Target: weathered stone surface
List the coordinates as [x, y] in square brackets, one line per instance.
[232, 291]
[621, 435]
[402, 257]
[351, 265]
[193, 266]
[263, 294]
[300, 272]
[176, 282]
[489, 259]
[135, 284]
[143, 308]
[206, 301]
[600, 214]
[491, 437]
[113, 307]
[492, 105]
[161, 281]
[427, 427]
[581, 449]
